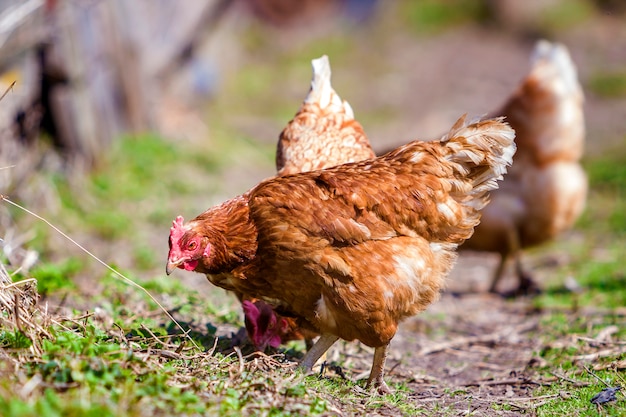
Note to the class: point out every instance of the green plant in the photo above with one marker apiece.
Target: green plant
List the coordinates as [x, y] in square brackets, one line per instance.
[55, 277]
[608, 84]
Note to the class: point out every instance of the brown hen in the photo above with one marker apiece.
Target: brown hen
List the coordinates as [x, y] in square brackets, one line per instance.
[354, 249]
[545, 190]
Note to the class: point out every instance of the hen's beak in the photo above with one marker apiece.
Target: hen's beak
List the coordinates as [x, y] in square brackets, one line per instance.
[171, 266]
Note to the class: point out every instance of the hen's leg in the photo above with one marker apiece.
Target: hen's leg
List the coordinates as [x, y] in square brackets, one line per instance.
[308, 343]
[378, 370]
[317, 350]
[498, 274]
[527, 284]
[513, 247]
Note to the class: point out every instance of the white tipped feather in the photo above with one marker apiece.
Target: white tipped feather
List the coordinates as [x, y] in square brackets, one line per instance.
[322, 93]
[483, 151]
[555, 61]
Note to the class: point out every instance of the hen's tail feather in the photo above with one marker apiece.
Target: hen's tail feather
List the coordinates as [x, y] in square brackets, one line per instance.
[552, 61]
[480, 153]
[322, 92]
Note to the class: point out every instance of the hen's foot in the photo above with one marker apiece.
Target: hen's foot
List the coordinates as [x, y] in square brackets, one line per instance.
[527, 287]
[380, 387]
[337, 369]
[378, 367]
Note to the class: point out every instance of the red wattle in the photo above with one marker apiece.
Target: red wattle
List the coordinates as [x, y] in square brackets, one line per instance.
[190, 265]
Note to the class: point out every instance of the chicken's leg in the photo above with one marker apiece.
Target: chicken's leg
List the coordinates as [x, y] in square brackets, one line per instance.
[320, 347]
[526, 282]
[513, 247]
[378, 370]
[498, 274]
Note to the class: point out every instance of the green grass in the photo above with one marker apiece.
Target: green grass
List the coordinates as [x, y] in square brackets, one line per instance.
[579, 380]
[432, 16]
[137, 366]
[608, 84]
[563, 15]
[573, 319]
[55, 277]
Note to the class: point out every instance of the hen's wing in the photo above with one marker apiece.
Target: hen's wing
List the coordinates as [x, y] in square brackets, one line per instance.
[422, 188]
[324, 132]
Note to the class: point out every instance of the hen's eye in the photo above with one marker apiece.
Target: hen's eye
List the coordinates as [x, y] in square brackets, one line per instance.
[192, 245]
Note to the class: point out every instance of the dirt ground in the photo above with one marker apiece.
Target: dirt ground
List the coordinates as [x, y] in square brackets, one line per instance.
[481, 350]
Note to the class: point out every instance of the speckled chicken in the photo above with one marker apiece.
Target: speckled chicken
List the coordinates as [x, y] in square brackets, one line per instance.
[324, 132]
[352, 250]
[545, 190]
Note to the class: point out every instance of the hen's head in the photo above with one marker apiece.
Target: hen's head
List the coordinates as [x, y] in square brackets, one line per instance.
[186, 247]
[264, 327]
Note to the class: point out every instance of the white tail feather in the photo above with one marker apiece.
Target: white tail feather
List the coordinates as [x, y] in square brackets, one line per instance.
[555, 62]
[322, 93]
[482, 152]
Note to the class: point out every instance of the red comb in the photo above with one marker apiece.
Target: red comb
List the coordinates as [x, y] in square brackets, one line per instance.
[177, 230]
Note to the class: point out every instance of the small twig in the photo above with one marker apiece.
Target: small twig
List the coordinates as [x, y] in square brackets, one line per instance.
[123, 334]
[504, 382]
[590, 372]
[30, 385]
[9, 88]
[168, 354]
[511, 401]
[600, 354]
[152, 335]
[275, 363]
[571, 381]
[240, 356]
[472, 340]
[211, 351]
[81, 317]
[16, 312]
[180, 347]
[591, 340]
[18, 283]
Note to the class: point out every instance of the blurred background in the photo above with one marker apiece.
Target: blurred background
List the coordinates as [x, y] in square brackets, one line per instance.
[117, 116]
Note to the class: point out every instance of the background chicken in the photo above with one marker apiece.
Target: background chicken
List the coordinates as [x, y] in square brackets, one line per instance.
[323, 133]
[545, 190]
[354, 249]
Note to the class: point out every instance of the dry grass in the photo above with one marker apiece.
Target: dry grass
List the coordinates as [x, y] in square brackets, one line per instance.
[19, 310]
